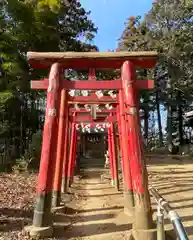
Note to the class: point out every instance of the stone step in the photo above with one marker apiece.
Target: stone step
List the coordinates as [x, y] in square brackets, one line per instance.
[92, 166]
[92, 162]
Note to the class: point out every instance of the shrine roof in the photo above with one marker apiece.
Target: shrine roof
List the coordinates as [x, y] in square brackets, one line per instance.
[86, 60]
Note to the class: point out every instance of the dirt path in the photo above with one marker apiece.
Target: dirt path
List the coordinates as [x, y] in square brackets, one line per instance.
[101, 207]
[173, 178]
[98, 208]
[100, 212]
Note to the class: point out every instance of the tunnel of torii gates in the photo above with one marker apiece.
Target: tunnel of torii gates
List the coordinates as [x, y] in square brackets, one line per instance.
[61, 125]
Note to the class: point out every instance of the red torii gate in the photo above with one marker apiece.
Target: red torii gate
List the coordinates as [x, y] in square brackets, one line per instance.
[111, 118]
[76, 118]
[88, 118]
[111, 140]
[56, 120]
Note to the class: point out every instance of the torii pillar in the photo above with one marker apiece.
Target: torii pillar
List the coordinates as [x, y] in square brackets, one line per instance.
[143, 222]
[42, 219]
[61, 149]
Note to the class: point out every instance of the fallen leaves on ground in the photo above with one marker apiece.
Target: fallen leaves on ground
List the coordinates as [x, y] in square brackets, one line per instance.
[17, 199]
[16, 204]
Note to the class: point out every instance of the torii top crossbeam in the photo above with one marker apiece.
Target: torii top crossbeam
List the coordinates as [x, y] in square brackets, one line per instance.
[100, 60]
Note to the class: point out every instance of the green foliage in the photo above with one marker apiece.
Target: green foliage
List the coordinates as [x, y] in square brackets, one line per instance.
[167, 28]
[170, 25]
[27, 25]
[4, 98]
[54, 5]
[31, 159]
[8, 103]
[34, 151]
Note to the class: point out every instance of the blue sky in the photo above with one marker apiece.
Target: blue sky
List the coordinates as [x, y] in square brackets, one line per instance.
[109, 16]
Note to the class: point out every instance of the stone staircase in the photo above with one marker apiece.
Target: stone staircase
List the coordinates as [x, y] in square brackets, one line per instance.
[86, 163]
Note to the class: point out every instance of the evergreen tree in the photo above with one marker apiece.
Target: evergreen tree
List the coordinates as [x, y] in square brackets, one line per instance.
[28, 25]
[167, 28]
[170, 25]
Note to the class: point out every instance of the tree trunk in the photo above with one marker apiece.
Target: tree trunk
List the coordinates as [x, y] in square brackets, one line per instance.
[146, 124]
[159, 119]
[169, 117]
[169, 128]
[146, 114]
[180, 118]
